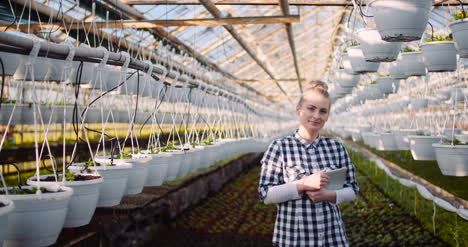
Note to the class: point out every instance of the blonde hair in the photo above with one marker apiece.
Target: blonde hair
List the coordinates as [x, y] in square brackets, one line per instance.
[316, 86]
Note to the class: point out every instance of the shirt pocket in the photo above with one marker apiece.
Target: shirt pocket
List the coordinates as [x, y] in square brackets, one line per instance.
[294, 170]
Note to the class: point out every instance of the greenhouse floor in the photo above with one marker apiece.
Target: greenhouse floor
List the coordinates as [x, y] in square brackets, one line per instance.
[235, 217]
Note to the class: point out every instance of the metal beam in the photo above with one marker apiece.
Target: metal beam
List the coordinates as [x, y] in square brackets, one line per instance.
[268, 2]
[160, 32]
[157, 23]
[267, 80]
[217, 14]
[285, 9]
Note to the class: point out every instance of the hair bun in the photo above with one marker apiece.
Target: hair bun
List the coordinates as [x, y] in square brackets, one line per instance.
[318, 84]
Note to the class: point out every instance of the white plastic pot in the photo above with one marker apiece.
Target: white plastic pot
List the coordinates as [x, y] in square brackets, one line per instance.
[114, 184]
[346, 79]
[421, 147]
[386, 142]
[4, 215]
[136, 175]
[452, 160]
[55, 71]
[157, 169]
[387, 85]
[358, 62]
[374, 48]
[37, 219]
[412, 65]
[459, 30]
[174, 163]
[439, 56]
[83, 201]
[401, 20]
[347, 64]
[395, 71]
[400, 138]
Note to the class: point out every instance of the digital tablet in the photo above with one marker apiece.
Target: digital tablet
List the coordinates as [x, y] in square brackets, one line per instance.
[337, 178]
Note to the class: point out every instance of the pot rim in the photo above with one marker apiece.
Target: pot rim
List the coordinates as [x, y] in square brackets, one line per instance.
[66, 193]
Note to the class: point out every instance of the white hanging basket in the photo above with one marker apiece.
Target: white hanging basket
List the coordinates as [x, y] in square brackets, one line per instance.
[452, 159]
[439, 56]
[387, 85]
[421, 147]
[114, 184]
[37, 219]
[157, 169]
[462, 138]
[374, 48]
[401, 20]
[411, 64]
[358, 62]
[55, 70]
[346, 79]
[4, 215]
[386, 142]
[11, 61]
[395, 71]
[174, 163]
[83, 201]
[400, 138]
[459, 30]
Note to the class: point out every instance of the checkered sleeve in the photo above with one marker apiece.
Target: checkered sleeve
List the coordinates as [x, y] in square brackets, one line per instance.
[272, 172]
[346, 162]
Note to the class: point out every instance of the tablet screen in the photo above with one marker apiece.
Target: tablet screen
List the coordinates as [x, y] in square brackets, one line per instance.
[337, 178]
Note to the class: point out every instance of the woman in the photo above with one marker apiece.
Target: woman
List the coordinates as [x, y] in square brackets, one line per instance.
[293, 177]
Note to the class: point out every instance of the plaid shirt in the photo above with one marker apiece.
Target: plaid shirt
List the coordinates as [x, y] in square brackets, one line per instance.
[302, 222]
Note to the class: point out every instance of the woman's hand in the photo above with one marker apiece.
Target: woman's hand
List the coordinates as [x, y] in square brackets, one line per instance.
[322, 195]
[315, 181]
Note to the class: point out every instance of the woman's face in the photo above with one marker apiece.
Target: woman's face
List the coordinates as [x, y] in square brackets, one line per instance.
[313, 111]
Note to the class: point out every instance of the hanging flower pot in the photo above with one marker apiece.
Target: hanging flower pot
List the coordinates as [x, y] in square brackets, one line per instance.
[401, 140]
[84, 199]
[136, 175]
[37, 219]
[7, 111]
[157, 168]
[55, 70]
[375, 49]
[411, 64]
[10, 61]
[439, 56]
[6, 208]
[401, 20]
[358, 62]
[395, 71]
[459, 30]
[114, 180]
[347, 64]
[387, 85]
[386, 142]
[443, 94]
[175, 162]
[417, 104]
[346, 79]
[421, 146]
[452, 159]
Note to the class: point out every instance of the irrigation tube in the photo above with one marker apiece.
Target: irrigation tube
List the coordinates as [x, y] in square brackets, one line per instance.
[423, 191]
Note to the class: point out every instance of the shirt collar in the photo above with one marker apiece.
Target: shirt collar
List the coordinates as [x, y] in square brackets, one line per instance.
[306, 143]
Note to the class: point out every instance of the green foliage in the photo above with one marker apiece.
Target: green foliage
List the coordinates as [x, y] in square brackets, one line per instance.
[373, 82]
[169, 148]
[208, 141]
[384, 75]
[354, 43]
[427, 169]
[24, 191]
[341, 67]
[69, 176]
[459, 16]
[447, 225]
[124, 155]
[455, 142]
[439, 38]
[407, 49]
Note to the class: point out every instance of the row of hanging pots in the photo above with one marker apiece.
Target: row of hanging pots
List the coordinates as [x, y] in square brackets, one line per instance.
[452, 159]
